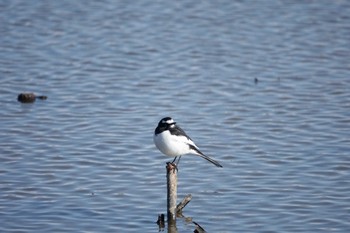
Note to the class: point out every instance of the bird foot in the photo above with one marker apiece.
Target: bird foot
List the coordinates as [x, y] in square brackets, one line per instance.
[172, 166]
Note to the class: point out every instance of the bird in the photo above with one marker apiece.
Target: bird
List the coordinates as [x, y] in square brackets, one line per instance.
[172, 141]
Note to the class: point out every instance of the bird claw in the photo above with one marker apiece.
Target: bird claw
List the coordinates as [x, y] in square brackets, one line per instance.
[172, 166]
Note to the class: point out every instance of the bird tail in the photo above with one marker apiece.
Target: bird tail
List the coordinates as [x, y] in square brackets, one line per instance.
[216, 163]
[199, 153]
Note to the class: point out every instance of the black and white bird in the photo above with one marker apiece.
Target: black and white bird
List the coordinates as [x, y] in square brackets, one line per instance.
[171, 140]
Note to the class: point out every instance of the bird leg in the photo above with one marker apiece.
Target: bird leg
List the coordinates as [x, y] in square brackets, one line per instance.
[178, 161]
[174, 159]
[175, 164]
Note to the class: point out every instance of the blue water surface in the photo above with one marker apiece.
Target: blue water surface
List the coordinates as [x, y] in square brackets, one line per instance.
[261, 87]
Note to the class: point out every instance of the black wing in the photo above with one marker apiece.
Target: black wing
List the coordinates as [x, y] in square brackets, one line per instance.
[176, 130]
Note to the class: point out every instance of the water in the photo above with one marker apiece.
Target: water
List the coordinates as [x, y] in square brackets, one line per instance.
[84, 159]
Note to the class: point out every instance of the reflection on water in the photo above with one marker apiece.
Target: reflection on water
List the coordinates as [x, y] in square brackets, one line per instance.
[84, 160]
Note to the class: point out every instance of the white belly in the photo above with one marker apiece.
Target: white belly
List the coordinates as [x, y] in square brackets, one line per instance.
[170, 145]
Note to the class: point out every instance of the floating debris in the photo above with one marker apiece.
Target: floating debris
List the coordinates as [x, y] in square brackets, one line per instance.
[161, 222]
[198, 229]
[29, 97]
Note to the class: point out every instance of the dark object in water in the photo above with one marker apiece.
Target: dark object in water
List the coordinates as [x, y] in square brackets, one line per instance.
[198, 229]
[256, 80]
[161, 222]
[29, 97]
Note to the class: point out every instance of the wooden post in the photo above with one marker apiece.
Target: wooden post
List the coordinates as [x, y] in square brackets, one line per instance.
[172, 194]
